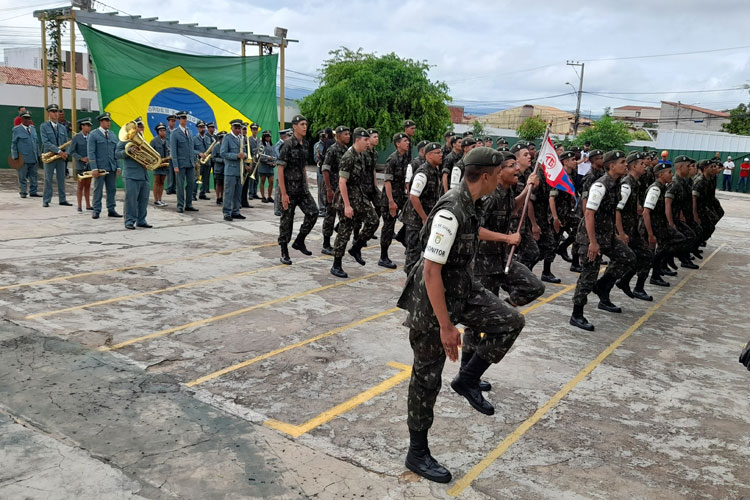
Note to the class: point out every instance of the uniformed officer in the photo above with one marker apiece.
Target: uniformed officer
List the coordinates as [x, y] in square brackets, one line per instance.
[417, 162]
[565, 218]
[218, 167]
[448, 145]
[102, 144]
[137, 185]
[25, 143]
[354, 207]
[206, 169]
[527, 251]
[702, 210]
[283, 136]
[626, 223]
[183, 161]
[410, 129]
[53, 135]
[678, 201]
[250, 187]
[440, 292]
[457, 171]
[233, 154]
[423, 195]
[370, 185]
[295, 192]
[394, 195]
[450, 160]
[200, 145]
[161, 145]
[79, 151]
[171, 125]
[330, 171]
[596, 236]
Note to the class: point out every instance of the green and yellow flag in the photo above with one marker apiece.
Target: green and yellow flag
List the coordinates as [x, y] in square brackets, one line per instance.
[136, 80]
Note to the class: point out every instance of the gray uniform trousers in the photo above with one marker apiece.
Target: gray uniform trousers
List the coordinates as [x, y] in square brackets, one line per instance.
[170, 179]
[28, 171]
[55, 168]
[185, 182]
[110, 182]
[136, 201]
[232, 195]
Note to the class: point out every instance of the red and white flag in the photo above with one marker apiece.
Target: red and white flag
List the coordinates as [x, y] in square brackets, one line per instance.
[553, 168]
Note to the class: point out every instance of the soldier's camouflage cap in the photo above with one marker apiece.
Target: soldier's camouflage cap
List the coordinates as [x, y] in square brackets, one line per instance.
[503, 148]
[519, 146]
[341, 128]
[432, 146]
[398, 136]
[662, 165]
[506, 155]
[421, 144]
[468, 141]
[635, 156]
[298, 118]
[372, 131]
[704, 163]
[567, 155]
[360, 132]
[683, 158]
[613, 155]
[409, 123]
[595, 152]
[483, 157]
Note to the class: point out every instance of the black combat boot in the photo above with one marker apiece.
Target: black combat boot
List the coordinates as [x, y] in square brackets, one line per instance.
[401, 235]
[327, 249]
[687, 263]
[420, 461]
[299, 245]
[639, 292]
[336, 268]
[562, 251]
[575, 267]
[601, 289]
[466, 384]
[356, 251]
[384, 260]
[547, 275]
[577, 319]
[671, 263]
[285, 255]
[484, 386]
[624, 283]
[656, 278]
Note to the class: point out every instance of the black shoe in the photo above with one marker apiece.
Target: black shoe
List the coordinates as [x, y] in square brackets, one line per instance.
[245, 205]
[228, 218]
[144, 226]
[95, 215]
[576, 269]
[202, 196]
[114, 214]
[66, 204]
[285, 256]
[424, 465]
[80, 209]
[277, 213]
[607, 305]
[191, 209]
[689, 265]
[327, 251]
[179, 210]
[239, 217]
[642, 295]
[656, 280]
[39, 196]
[299, 245]
[485, 386]
[668, 272]
[387, 263]
[23, 196]
[550, 278]
[702, 245]
[45, 205]
[220, 200]
[264, 200]
[256, 197]
[356, 252]
[270, 200]
[129, 226]
[473, 395]
[625, 287]
[563, 252]
[582, 323]
[171, 192]
[89, 208]
[338, 272]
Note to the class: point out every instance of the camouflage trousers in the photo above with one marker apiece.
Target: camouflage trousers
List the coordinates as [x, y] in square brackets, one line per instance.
[364, 214]
[547, 243]
[521, 285]
[644, 257]
[375, 198]
[389, 224]
[483, 312]
[669, 241]
[527, 250]
[692, 231]
[306, 203]
[621, 260]
[413, 247]
[329, 219]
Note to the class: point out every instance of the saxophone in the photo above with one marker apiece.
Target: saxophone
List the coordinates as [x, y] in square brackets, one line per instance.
[49, 156]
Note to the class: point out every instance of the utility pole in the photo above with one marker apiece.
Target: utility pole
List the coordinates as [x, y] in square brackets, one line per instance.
[580, 91]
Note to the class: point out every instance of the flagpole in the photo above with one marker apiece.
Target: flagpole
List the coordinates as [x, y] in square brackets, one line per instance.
[526, 204]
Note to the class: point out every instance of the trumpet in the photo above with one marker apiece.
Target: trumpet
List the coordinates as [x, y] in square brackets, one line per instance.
[140, 150]
[90, 174]
[49, 156]
[258, 157]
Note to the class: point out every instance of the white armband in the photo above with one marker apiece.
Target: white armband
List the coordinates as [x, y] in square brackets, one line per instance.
[409, 173]
[442, 235]
[455, 177]
[418, 184]
[624, 195]
[596, 195]
[652, 196]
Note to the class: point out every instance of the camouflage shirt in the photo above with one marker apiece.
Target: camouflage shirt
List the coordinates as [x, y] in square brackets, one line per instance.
[430, 193]
[702, 192]
[497, 209]
[540, 197]
[448, 162]
[682, 198]
[395, 172]
[657, 213]
[603, 196]
[353, 169]
[292, 157]
[628, 204]
[331, 164]
[371, 161]
[565, 204]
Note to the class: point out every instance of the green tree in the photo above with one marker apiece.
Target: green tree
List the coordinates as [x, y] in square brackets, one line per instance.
[606, 134]
[363, 90]
[477, 128]
[739, 120]
[640, 135]
[532, 128]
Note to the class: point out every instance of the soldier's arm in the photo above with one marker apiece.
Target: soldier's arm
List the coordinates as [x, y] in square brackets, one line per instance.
[553, 209]
[420, 181]
[620, 229]
[695, 207]
[344, 192]
[668, 210]
[445, 181]
[281, 163]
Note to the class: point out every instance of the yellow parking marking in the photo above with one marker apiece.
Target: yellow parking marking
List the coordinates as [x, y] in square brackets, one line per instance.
[276, 352]
[136, 266]
[327, 416]
[244, 310]
[475, 471]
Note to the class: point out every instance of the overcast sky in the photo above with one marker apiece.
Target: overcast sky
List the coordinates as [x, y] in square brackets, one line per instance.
[492, 54]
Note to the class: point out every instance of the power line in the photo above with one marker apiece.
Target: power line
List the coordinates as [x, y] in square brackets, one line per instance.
[668, 54]
[672, 91]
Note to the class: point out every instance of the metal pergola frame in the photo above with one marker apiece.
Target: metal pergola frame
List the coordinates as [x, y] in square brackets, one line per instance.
[92, 17]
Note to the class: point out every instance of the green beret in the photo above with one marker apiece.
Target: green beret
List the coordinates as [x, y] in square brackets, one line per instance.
[567, 155]
[483, 157]
[519, 146]
[372, 131]
[594, 153]
[506, 155]
[448, 134]
[422, 144]
[360, 132]
[468, 141]
[683, 158]
[613, 155]
[298, 118]
[662, 165]
[341, 128]
[409, 123]
[635, 156]
[398, 136]
[703, 164]
[432, 146]
[503, 148]
[501, 140]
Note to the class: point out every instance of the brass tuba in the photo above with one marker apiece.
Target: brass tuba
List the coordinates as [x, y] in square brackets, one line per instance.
[49, 156]
[145, 154]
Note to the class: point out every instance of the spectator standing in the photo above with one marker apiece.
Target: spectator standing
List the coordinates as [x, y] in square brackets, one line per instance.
[18, 119]
[728, 169]
[744, 170]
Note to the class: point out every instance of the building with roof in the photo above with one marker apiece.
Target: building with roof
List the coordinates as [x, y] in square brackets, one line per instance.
[675, 115]
[512, 118]
[637, 116]
[22, 86]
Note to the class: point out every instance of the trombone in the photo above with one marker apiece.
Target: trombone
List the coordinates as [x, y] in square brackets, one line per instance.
[245, 146]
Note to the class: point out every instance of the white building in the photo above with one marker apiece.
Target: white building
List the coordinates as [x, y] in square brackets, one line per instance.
[23, 87]
[687, 117]
[637, 116]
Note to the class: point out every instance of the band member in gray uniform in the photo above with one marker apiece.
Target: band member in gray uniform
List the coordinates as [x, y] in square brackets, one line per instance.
[137, 183]
[79, 151]
[26, 144]
[101, 153]
[53, 135]
[183, 161]
[233, 153]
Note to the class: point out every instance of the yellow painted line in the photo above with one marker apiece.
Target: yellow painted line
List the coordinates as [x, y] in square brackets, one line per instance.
[327, 416]
[475, 471]
[276, 352]
[136, 266]
[237, 312]
[541, 302]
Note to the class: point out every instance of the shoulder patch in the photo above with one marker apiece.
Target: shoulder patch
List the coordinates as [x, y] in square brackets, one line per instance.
[596, 195]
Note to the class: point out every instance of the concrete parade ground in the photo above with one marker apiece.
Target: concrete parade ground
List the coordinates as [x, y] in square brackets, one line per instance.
[186, 362]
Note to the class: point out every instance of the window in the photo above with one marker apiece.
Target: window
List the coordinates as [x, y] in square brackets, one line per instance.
[85, 104]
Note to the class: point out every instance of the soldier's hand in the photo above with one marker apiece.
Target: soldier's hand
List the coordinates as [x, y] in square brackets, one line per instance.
[392, 208]
[63, 155]
[451, 340]
[95, 173]
[594, 250]
[514, 239]
[285, 201]
[348, 211]
[652, 241]
[329, 195]
[202, 155]
[536, 231]
[533, 180]
[624, 238]
[557, 225]
[698, 220]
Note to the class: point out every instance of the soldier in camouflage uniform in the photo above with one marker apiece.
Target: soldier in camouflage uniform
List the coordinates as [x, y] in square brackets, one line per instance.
[448, 146]
[457, 172]
[394, 195]
[330, 170]
[423, 195]
[292, 178]
[678, 202]
[715, 204]
[450, 237]
[352, 203]
[527, 251]
[596, 236]
[450, 160]
[417, 162]
[665, 239]
[702, 211]
[546, 242]
[369, 184]
[626, 223]
[564, 212]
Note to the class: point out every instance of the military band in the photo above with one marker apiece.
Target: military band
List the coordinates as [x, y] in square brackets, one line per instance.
[25, 145]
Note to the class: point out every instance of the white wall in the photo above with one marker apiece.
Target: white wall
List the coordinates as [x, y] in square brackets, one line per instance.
[24, 95]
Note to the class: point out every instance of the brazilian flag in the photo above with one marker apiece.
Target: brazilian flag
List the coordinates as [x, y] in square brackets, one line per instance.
[136, 80]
